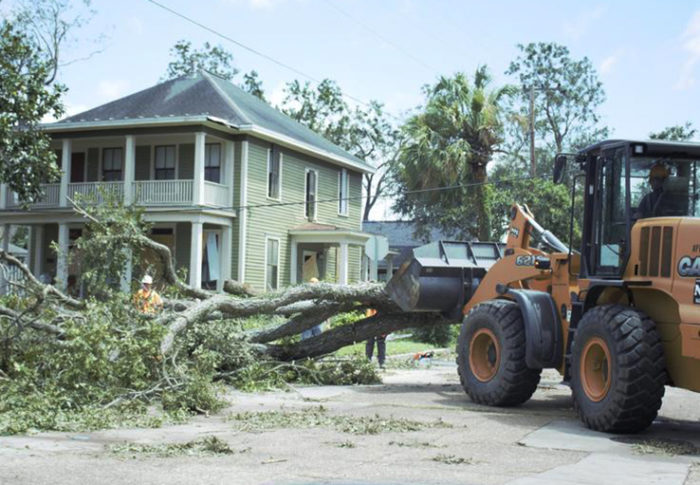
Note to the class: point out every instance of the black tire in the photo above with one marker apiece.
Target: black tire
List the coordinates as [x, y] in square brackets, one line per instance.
[623, 395]
[508, 382]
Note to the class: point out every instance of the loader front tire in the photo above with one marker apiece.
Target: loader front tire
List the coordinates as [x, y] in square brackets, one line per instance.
[491, 355]
[617, 369]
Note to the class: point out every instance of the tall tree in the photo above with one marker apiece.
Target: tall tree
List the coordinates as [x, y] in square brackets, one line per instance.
[26, 158]
[364, 131]
[214, 59]
[565, 94]
[450, 143]
[51, 25]
[683, 132]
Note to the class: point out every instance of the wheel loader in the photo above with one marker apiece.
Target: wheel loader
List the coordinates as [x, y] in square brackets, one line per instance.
[618, 317]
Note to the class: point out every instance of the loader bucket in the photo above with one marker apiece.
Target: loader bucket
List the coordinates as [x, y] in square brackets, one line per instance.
[442, 276]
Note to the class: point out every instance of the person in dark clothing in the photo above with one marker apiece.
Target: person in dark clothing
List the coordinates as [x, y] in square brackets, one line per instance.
[650, 204]
[381, 344]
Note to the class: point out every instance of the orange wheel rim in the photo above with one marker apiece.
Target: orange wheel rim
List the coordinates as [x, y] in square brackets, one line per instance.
[596, 371]
[484, 355]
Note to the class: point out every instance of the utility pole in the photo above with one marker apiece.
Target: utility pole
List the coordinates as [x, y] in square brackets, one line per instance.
[533, 164]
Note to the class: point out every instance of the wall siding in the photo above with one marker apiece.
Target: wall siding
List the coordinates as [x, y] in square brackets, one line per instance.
[354, 261]
[276, 221]
[236, 202]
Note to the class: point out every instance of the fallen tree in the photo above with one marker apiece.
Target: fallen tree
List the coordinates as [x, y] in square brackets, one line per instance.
[101, 351]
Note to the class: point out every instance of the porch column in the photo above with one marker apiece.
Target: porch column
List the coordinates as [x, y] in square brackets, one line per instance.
[228, 171]
[65, 173]
[3, 196]
[343, 266]
[196, 254]
[5, 246]
[225, 256]
[198, 183]
[293, 261]
[62, 257]
[389, 266]
[129, 162]
[37, 249]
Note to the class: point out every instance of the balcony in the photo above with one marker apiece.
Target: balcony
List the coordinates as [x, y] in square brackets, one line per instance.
[148, 193]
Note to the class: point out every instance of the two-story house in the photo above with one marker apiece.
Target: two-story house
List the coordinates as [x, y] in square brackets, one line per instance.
[234, 187]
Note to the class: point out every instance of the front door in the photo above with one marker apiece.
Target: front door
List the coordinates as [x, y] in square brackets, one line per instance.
[309, 267]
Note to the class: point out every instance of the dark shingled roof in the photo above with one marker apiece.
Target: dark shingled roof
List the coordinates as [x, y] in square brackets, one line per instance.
[204, 94]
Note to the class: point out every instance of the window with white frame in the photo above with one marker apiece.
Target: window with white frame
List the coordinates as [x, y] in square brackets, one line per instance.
[212, 162]
[274, 168]
[343, 189]
[310, 198]
[272, 258]
[165, 163]
[112, 163]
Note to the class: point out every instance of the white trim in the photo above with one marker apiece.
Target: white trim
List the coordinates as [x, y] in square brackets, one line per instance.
[243, 215]
[66, 152]
[345, 196]
[293, 255]
[279, 261]
[306, 178]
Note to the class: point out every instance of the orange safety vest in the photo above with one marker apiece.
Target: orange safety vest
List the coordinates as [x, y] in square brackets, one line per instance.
[147, 302]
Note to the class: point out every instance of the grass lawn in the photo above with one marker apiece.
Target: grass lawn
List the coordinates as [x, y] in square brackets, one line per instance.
[393, 347]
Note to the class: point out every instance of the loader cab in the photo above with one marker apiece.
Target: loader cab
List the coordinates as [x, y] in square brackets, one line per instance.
[626, 181]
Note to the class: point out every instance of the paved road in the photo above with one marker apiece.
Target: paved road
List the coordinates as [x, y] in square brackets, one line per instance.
[538, 443]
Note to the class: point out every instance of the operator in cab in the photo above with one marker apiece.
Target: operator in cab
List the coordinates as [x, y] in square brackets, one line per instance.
[652, 203]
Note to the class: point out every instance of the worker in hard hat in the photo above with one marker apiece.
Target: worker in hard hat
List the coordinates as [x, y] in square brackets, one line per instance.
[147, 300]
[652, 203]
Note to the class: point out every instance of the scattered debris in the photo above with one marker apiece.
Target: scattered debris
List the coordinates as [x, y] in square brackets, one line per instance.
[209, 445]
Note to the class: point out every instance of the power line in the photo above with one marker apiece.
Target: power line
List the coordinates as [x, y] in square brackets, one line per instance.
[259, 53]
[361, 197]
[381, 37]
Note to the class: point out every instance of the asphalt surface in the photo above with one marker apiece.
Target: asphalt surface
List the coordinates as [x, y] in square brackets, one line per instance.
[540, 442]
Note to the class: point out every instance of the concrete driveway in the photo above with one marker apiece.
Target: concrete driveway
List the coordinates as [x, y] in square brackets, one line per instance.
[418, 427]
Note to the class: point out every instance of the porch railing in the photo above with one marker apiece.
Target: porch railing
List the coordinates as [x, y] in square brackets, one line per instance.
[163, 192]
[145, 192]
[215, 194]
[96, 190]
[48, 199]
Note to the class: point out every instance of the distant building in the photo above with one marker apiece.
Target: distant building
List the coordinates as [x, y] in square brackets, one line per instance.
[402, 240]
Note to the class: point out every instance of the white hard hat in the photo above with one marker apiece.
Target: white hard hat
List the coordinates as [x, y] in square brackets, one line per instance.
[147, 280]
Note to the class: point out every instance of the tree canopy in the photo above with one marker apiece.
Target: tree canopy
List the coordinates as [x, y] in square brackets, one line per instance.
[441, 170]
[567, 95]
[26, 158]
[683, 132]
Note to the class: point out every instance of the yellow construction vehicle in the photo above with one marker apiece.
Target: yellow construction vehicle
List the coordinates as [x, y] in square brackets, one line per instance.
[619, 318]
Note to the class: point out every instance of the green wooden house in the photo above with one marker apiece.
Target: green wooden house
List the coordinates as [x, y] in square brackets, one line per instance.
[234, 187]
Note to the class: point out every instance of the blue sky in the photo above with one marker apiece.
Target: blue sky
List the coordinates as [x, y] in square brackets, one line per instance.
[647, 53]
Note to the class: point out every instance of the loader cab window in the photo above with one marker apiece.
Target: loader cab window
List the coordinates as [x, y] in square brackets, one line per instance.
[610, 227]
[664, 187]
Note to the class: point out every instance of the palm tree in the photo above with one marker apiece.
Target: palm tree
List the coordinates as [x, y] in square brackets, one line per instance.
[450, 143]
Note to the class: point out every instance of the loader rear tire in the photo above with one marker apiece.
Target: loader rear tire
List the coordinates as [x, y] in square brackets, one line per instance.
[491, 355]
[617, 369]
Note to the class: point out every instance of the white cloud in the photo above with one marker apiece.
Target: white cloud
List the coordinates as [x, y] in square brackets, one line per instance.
[576, 29]
[691, 45]
[111, 89]
[609, 62]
